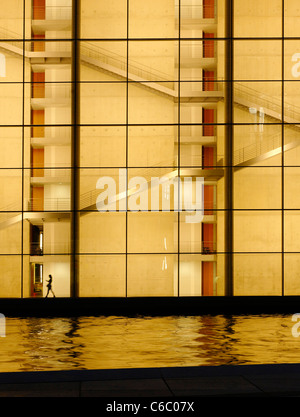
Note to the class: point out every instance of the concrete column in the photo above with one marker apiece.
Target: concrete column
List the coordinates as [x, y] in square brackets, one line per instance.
[229, 4]
[75, 157]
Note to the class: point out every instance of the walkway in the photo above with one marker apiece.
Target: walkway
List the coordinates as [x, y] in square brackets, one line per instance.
[157, 384]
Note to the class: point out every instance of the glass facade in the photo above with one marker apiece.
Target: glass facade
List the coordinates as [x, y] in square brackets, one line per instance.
[149, 148]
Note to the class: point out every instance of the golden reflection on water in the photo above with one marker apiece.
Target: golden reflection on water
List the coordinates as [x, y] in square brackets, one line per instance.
[38, 344]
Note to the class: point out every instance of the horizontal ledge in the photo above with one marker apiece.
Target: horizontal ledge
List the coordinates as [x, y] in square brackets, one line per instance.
[167, 306]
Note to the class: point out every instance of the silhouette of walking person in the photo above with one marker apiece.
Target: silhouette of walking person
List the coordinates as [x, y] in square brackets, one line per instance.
[49, 286]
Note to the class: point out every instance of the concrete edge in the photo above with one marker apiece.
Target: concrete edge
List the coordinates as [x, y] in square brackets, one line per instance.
[147, 373]
[151, 306]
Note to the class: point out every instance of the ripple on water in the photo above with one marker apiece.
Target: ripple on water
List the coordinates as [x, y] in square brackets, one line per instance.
[36, 344]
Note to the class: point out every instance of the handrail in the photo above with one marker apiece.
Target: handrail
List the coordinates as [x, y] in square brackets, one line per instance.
[118, 61]
[6, 34]
[53, 247]
[88, 198]
[267, 102]
[264, 105]
[254, 150]
[12, 207]
[55, 204]
[208, 247]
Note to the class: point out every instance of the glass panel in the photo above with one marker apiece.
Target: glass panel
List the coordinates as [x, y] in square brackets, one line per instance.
[11, 66]
[191, 12]
[102, 189]
[262, 229]
[152, 19]
[197, 276]
[291, 274]
[191, 239]
[11, 20]
[151, 103]
[40, 73]
[103, 61]
[257, 102]
[258, 144]
[257, 19]
[59, 267]
[292, 187]
[37, 268]
[11, 280]
[10, 233]
[152, 146]
[11, 147]
[102, 276]
[257, 188]
[152, 275]
[50, 189]
[257, 60]
[291, 18]
[292, 231]
[153, 189]
[11, 189]
[291, 60]
[30, 287]
[56, 96]
[47, 15]
[103, 146]
[152, 232]
[257, 274]
[103, 20]
[111, 235]
[103, 103]
[291, 142]
[153, 61]
[291, 103]
[191, 145]
[190, 275]
[12, 93]
[56, 234]
[202, 145]
[200, 56]
[54, 140]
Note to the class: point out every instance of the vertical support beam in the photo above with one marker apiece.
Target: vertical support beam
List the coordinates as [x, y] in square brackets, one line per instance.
[179, 150]
[282, 149]
[75, 142]
[23, 152]
[229, 4]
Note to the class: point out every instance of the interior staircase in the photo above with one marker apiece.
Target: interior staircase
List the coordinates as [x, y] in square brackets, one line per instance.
[104, 60]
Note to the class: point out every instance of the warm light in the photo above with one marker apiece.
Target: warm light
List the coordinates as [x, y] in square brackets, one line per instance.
[41, 241]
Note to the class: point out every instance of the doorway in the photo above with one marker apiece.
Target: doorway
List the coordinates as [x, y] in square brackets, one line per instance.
[36, 280]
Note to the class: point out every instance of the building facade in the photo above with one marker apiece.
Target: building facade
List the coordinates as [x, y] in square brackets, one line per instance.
[149, 148]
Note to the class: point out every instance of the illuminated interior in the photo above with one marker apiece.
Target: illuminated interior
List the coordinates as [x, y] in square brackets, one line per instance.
[149, 148]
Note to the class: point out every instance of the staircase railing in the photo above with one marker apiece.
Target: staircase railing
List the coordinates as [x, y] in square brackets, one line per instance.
[143, 72]
[14, 39]
[267, 103]
[257, 149]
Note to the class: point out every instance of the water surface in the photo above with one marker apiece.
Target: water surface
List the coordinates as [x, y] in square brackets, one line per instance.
[39, 344]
